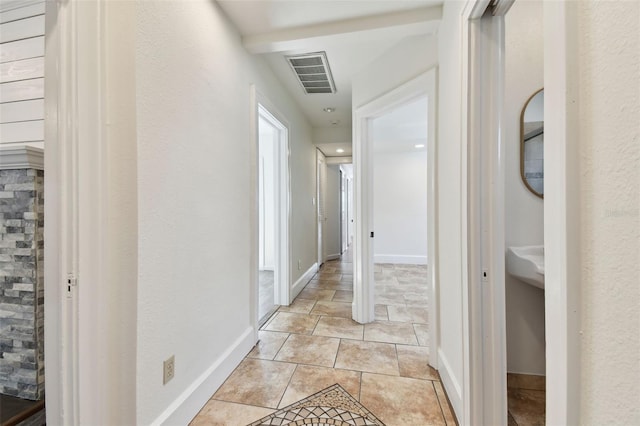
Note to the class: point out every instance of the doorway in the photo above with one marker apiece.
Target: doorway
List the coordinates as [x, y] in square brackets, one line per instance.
[346, 206]
[364, 250]
[321, 177]
[273, 214]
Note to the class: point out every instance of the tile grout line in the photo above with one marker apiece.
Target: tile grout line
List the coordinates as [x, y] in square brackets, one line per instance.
[444, 418]
[287, 387]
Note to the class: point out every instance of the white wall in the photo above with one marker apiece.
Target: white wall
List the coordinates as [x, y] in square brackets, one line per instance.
[403, 62]
[450, 247]
[608, 61]
[332, 212]
[400, 207]
[524, 74]
[22, 74]
[195, 208]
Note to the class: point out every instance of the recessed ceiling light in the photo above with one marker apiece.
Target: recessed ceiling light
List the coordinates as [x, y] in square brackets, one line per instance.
[420, 145]
[340, 150]
[329, 109]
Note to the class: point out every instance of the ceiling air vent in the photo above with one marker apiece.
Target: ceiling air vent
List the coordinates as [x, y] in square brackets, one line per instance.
[313, 72]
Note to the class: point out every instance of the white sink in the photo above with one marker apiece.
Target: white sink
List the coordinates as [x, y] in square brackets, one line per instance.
[527, 264]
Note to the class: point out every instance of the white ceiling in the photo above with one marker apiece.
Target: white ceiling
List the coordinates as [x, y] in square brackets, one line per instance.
[400, 129]
[353, 33]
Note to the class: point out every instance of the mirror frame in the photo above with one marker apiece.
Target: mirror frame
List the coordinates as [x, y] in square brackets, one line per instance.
[524, 108]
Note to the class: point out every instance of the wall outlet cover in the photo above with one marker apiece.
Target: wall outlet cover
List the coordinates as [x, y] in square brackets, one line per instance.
[169, 369]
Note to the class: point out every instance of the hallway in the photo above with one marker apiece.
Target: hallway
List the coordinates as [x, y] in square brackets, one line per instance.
[313, 344]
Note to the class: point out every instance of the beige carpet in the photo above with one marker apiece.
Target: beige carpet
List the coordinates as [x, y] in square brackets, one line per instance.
[331, 406]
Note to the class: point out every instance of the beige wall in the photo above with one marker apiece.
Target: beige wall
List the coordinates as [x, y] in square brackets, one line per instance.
[195, 186]
[608, 60]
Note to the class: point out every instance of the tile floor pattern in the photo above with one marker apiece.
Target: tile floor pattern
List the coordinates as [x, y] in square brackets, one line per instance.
[266, 293]
[526, 400]
[313, 344]
[332, 405]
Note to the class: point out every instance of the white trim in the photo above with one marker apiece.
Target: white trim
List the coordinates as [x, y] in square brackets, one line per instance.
[267, 111]
[363, 277]
[400, 259]
[452, 386]
[321, 191]
[338, 160]
[24, 157]
[303, 281]
[263, 107]
[58, 392]
[561, 208]
[185, 407]
[432, 224]
[484, 334]
[333, 256]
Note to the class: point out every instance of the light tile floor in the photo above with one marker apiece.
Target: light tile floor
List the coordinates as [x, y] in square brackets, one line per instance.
[314, 343]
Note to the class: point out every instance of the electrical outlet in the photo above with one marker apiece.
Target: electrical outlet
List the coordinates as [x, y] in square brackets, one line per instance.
[299, 265]
[169, 369]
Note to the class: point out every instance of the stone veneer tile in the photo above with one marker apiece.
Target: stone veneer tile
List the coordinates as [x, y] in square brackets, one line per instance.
[334, 309]
[449, 417]
[414, 362]
[527, 406]
[299, 306]
[221, 413]
[343, 296]
[390, 332]
[292, 323]
[22, 283]
[308, 380]
[314, 350]
[339, 327]
[316, 293]
[411, 314]
[367, 356]
[268, 345]
[381, 313]
[422, 333]
[256, 382]
[393, 400]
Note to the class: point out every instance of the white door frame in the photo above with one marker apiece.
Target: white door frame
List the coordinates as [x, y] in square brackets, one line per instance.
[483, 377]
[363, 276]
[561, 207]
[91, 219]
[282, 274]
[484, 333]
[321, 184]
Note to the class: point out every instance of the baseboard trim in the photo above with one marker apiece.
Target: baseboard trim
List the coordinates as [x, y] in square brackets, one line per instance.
[451, 385]
[190, 402]
[303, 280]
[400, 259]
[333, 257]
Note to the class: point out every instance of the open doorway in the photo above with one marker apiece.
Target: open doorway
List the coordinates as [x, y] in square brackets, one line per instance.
[420, 91]
[273, 216]
[346, 206]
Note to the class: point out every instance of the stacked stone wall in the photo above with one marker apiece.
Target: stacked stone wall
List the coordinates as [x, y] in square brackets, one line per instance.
[22, 283]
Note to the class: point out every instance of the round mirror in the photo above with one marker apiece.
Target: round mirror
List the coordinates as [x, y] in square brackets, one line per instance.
[532, 143]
